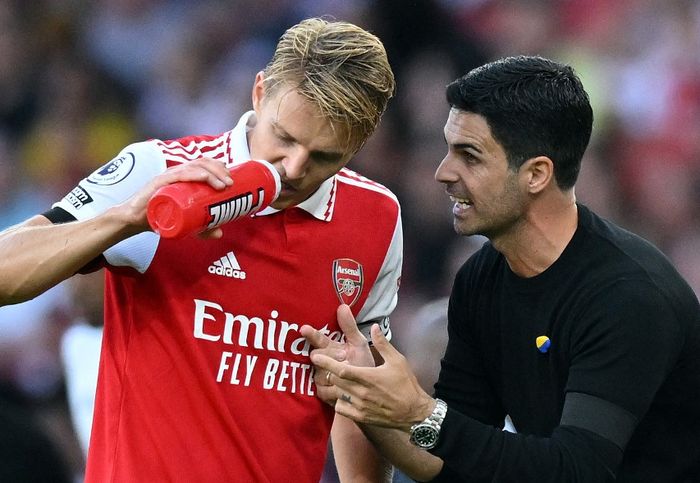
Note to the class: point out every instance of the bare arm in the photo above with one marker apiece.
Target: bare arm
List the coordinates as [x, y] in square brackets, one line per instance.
[356, 459]
[36, 254]
[393, 444]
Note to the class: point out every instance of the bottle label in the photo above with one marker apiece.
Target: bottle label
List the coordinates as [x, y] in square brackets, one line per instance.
[236, 207]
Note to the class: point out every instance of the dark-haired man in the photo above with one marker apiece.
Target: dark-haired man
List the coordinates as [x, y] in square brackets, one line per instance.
[582, 332]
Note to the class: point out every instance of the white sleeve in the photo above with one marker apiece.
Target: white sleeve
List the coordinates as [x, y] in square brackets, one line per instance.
[383, 296]
[114, 183]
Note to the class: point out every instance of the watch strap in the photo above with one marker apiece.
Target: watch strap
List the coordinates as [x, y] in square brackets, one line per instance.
[432, 423]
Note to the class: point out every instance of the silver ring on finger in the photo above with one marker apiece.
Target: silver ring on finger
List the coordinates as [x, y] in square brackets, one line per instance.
[346, 398]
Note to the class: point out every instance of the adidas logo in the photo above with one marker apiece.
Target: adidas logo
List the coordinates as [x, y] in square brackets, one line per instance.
[227, 266]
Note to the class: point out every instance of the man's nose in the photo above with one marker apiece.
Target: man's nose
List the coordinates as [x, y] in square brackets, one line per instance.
[295, 164]
[444, 172]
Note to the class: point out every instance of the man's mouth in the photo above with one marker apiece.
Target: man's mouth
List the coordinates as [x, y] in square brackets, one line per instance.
[461, 201]
[288, 187]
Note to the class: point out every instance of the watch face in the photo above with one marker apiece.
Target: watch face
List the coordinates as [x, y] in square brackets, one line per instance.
[425, 436]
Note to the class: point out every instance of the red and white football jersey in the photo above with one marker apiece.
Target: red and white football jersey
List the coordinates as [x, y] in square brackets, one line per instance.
[203, 375]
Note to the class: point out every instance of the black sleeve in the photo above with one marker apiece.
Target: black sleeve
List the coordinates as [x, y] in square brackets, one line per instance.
[58, 215]
[463, 381]
[475, 452]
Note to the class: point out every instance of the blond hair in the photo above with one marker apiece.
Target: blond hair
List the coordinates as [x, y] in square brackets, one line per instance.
[340, 68]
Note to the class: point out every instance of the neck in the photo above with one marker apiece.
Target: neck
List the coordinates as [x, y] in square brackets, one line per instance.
[540, 238]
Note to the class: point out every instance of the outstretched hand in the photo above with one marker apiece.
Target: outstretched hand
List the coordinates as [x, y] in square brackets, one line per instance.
[388, 395]
[354, 350]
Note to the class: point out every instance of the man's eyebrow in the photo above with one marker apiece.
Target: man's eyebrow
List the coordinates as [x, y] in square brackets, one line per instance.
[467, 146]
[463, 146]
[281, 131]
[326, 155]
[317, 154]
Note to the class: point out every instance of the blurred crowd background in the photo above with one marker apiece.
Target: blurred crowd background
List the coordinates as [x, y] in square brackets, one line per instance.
[80, 79]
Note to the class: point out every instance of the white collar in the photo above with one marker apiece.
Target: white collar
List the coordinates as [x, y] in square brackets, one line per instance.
[320, 204]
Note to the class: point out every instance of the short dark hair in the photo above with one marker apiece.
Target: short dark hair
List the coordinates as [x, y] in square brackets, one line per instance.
[534, 107]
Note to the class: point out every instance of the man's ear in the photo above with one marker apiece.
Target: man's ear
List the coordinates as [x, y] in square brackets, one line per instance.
[538, 172]
[258, 90]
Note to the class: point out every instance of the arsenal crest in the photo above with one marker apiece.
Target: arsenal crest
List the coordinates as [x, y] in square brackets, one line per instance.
[347, 280]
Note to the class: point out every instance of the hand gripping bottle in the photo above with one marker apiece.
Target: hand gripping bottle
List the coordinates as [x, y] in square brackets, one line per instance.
[179, 209]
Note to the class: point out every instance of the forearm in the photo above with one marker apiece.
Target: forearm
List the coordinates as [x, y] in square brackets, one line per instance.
[478, 451]
[356, 459]
[36, 255]
[393, 444]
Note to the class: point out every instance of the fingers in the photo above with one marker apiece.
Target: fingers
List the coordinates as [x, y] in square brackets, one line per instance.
[382, 345]
[342, 372]
[314, 337]
[346, 409]
[205, 170]
[327, 394]
[323, 377]
[325, 363]
[213, 234]
[348, 325]
[215, 173]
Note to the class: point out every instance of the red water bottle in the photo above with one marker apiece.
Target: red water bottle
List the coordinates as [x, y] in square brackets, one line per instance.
[182, 208]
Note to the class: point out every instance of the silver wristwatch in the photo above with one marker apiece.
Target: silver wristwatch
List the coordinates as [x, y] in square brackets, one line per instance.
[425, 434]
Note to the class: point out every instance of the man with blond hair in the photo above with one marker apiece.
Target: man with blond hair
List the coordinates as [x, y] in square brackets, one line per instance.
[204, 377]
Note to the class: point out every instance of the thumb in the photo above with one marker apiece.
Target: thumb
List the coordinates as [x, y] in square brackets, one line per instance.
[382, 344]
[213, 234]
[348, 325]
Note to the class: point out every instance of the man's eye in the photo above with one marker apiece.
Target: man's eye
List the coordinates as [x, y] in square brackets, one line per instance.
[325, 159]
[469, 158]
